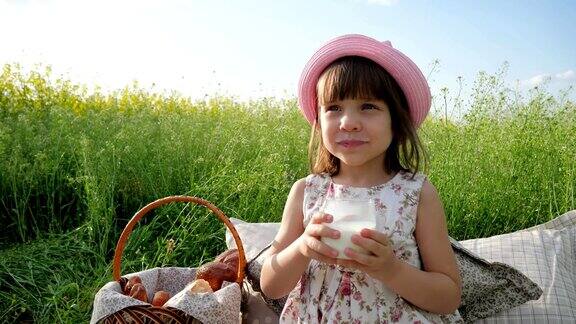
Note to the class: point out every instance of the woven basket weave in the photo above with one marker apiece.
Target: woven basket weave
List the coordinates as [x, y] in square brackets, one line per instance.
[154, 314]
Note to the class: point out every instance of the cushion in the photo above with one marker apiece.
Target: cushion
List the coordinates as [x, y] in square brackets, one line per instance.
[256, 239]
[544, 253]
[488, 287]
[255, 309]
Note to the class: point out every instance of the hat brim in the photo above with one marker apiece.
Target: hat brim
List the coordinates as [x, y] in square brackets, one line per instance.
[399, 66]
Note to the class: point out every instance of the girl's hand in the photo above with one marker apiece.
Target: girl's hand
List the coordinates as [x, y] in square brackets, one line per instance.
[310, 244]
[380, 263]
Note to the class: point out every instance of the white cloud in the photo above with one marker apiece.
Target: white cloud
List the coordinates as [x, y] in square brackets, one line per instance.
[566, 75]
[536, 80]
[135, 41]
[383, 2]
[541, 79]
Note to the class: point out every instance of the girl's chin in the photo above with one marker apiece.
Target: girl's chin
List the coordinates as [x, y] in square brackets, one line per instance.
[353, 162]
[357, 161]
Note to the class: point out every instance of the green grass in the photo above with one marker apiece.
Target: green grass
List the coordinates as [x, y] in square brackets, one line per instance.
[50, 280]
[76, 165]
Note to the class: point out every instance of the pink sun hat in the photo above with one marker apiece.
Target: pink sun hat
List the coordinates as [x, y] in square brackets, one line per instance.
[399, 66]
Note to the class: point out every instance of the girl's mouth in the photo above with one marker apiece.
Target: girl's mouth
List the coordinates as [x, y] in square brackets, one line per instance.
[351, 143]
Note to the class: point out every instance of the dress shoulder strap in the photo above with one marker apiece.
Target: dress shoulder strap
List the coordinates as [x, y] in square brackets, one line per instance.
[314, 193]
[413, 181]
[406, 190]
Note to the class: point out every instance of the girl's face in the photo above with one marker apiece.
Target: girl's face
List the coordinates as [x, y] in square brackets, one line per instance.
[356, 131]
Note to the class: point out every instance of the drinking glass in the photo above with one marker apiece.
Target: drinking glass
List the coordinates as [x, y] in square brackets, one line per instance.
[350, 216]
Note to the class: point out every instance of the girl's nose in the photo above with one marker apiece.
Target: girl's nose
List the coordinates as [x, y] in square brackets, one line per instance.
[350, 122]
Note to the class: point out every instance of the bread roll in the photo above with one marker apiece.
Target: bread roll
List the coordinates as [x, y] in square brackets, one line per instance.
[200, 286]
[215, 273]
[160, 298]
[230, 257]
[131, 282]
[139, 292]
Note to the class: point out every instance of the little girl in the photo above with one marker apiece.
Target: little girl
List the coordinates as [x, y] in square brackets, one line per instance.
[364, 100]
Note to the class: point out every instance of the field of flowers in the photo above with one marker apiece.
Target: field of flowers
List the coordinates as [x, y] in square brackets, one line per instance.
[76, 165]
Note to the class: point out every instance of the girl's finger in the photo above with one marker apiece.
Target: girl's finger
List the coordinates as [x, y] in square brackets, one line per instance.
[360, 258]
[376, 236]
[321, 217]
[317, 248]
[347, 263]
[323, 258]
[319, 230]
[368, 244]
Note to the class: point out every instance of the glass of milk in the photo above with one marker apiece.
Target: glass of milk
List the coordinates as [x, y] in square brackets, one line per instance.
[350, 216]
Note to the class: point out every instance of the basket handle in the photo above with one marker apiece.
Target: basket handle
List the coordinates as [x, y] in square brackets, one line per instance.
[163, 201]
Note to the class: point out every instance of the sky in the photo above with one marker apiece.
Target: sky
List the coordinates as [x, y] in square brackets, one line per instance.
[251, 49]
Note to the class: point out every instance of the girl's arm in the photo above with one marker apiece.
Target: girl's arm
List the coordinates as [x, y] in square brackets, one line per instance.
[294, 246]
[437, 287]
[441, 282]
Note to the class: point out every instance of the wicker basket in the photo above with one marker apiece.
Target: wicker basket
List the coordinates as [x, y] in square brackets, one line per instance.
[153, 314]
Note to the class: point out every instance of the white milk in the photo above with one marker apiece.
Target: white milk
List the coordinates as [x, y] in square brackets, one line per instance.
[349, 218]
[347, 229]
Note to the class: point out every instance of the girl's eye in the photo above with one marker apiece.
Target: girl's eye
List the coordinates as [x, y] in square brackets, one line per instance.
[332, 108]
[369, 106]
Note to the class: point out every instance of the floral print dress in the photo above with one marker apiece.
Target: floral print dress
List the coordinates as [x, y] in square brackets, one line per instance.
[334, 294]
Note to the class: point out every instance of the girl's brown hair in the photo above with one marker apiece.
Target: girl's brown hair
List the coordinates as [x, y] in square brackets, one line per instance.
[354, 77]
